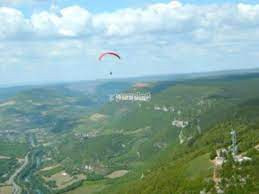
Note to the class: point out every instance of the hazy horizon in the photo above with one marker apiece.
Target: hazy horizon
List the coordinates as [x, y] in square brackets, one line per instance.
[198, 74]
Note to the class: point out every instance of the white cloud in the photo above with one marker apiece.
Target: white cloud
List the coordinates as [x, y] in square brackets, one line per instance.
[207, 36]
[173, 18]
[12, 23]
[249, 11]
[72, 21]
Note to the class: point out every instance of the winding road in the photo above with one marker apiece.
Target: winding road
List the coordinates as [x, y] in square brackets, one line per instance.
[16, 188]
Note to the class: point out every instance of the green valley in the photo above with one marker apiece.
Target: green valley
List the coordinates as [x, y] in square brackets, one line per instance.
[72, 138]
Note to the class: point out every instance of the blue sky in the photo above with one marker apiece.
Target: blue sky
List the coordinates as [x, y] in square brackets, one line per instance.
[28, 6]
[40, 44]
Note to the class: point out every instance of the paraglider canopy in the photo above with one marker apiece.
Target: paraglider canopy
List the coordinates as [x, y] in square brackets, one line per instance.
[111, 53]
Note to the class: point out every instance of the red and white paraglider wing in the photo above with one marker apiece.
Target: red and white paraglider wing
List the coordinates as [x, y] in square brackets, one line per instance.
[109, 53]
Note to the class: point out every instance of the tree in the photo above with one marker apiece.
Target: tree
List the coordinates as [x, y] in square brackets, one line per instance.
[213, 154]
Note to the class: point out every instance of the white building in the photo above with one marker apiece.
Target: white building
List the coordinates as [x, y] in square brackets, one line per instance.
[144, 97]
[88, 167]
[157, 108]
[219, 161]
[241, 158]
[180, 124]
[165, 109]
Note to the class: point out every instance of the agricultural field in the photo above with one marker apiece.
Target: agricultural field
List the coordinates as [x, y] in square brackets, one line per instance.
[6, 190]
[62, 179]
[13, 149]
